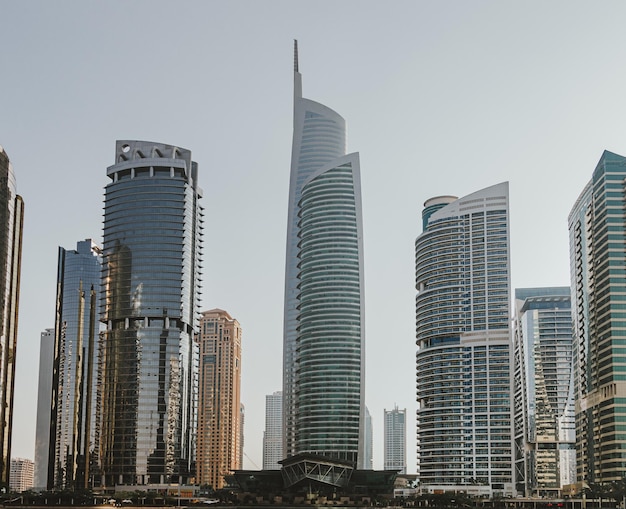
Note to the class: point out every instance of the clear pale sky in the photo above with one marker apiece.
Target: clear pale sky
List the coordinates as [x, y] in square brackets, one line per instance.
[440, 97]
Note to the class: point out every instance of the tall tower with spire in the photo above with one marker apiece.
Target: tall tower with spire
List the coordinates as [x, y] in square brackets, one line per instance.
[323, 340]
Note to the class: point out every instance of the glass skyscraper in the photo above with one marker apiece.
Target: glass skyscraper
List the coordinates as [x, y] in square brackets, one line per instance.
[545, 457]
[151, 283]
[323, 381]
[11, 226]
[597, 231]
[73, 423]
[464, 356]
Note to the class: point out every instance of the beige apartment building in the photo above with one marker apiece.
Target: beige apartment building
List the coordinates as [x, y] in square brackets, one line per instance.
[219, 406]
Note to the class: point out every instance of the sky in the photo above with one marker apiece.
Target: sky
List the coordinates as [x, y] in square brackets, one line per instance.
[440, 98]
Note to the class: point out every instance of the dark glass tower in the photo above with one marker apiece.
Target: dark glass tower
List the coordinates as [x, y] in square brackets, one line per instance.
[73, 422]
[151, 284]
[11, 225]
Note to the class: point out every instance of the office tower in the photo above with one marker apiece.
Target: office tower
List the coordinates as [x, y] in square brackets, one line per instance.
[11, 226]
[44, 408]
[395, 440]
[21, 475]
[368, 442]
[464, 356]
[219, 405]
[273, 434]
[545, 456]
[597, 249]
[73, 423]
[323, 381]
[150, 288]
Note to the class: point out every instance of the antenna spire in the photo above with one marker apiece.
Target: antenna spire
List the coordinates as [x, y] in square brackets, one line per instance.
[297, 77]
[295, 56]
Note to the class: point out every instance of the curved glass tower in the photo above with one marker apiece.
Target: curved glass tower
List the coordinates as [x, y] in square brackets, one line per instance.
[329, 344]
[464, 357]
[151, 282]
[317, 154]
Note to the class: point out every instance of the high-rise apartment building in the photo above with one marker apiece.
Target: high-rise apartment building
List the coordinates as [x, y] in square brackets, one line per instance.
[74, 427]
[150, 308]
[395, 440]
[44, 410]
[273, 434]
[597, 232]
[465, 354]
[21, 475]
[545, 456]
[11, 226]
[323, 381]
[219, 408]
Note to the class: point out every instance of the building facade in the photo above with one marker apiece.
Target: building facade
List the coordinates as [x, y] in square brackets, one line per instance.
[368, 442]
[11, 221]
[74, 426]
[21, 475]
[395, 440]
[150, 294]
[323, 319]
[545, 456]
[465, 355]
[44, 410]
[273, 434]
[220, 411]
[597, 250]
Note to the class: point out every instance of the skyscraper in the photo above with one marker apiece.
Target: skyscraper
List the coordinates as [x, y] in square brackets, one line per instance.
[11, 226]
[395, 440]
[44, 409]
[323, 381]
[151, 283]
[74, 425]
[464, 356]
[220, 411]
[597, 250]
[545, 456]
[273, 434]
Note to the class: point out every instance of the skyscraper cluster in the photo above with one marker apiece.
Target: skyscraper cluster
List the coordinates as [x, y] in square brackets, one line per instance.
[535, 408]
[139, 387]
